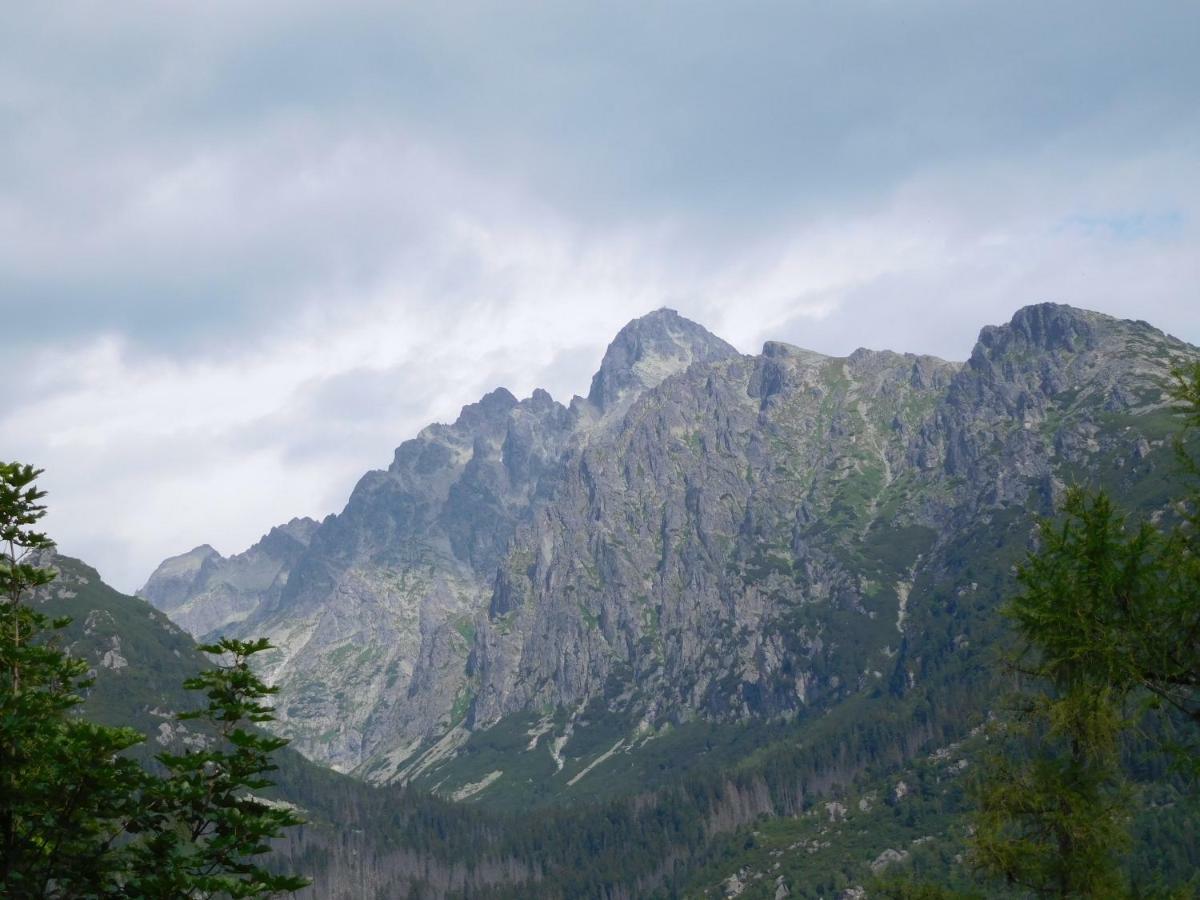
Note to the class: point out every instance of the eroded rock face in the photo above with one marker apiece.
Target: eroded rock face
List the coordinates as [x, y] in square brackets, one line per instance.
[698, 548]
[705, 535]
[374, 624]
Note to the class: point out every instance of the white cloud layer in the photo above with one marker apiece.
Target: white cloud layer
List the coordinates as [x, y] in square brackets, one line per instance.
[241, 260]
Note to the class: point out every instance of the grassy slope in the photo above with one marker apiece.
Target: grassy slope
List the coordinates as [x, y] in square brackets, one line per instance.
[139, 657]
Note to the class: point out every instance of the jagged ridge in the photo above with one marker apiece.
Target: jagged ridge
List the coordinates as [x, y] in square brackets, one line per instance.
[706, 535]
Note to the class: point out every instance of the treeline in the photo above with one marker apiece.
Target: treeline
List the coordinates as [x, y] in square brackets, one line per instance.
[393, 841]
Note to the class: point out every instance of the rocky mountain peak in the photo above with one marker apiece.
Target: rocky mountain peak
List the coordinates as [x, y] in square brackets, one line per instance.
[1041, 327]
[492, 408]
[301, 528]
[648, 350]
[175, 578]
[284, 539]
[203, 590]
[540, 401]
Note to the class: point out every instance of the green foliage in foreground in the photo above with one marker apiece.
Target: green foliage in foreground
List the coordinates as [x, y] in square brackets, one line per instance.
[1109, 619]
[1053, 808]
[1108, 623]
[78, 818]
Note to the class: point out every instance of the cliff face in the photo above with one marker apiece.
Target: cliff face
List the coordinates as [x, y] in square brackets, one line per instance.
[375, 618]
[706, 536]
[374, 623]
[689, 547]
[745, 541]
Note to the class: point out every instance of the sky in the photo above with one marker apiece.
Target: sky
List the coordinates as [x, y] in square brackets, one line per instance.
[247, 249]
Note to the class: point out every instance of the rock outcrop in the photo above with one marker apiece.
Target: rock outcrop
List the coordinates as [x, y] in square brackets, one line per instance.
[204, 593]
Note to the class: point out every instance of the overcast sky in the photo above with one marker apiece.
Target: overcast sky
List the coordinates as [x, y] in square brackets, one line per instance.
[248, 248]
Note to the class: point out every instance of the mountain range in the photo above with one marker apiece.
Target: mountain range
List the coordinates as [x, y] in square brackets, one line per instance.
[538, 595]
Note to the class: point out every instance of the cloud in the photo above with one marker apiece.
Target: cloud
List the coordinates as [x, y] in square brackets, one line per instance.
[245, 251]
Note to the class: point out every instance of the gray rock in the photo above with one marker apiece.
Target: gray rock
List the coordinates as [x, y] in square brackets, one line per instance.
[887, 858]
[205, 593]
[703, 536]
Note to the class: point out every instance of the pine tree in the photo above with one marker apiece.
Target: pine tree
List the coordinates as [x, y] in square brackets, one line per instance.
[1053, 807]
[1108, 618]
[78, 818]
[66, 790]
[203, 822]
